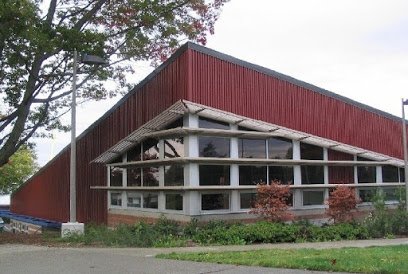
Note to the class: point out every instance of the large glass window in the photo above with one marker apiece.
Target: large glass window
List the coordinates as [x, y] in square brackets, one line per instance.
[116, 199]
[251, 148]
[134, 199]
[313, 197]
[366, 194]
[280, 148]
[174, 175]
[134, 154]
[392, 194]
[284, 174]
[116, 175]
[134, 177]
[214, 147]
[150, 200]
[213, 175]
[217, 201]
[390, 174]
[310, 152]
[151, 176]
[150, 149]
[366, 174]
[252, 175]
[312, 175]
[209, 123]
[174, 201]
[174, 148]
[247, 200]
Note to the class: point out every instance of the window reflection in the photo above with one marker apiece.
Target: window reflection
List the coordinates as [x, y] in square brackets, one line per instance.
[312, 175]
[116, 199]
[174, 175]
[313, 197]
[150, 200]
[174, 201]
[366, 194]
[247, 200]
[134, 154]
[214, 147]
[150, 149]
[211, 175]
[280, 148]
[310, 152]
[134, 199]
[390, 174]
[151, 176]
[214, 201]
[134, 177]
[116, 175]
[174, 148]
[209, 123]
[366, 174]
[252, 175]
[251, 148]
[284, 174]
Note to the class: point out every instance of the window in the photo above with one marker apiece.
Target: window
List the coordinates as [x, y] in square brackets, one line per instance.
[151, 176]
[366, 174]
[310, 152]
[174, 175]
[312, 175]
[392, 194]
[209, 123]
[280, 148]
[252, 175]
[174, 201]
[214, 147]
[313, 197]
[134, 154]
[390, 174]
[150, 149]
[134, 199]
[150, 200]
[116, 199]
[134, 177]
[217, 201]
[116, 175]
[174, 148]
[402, 174]
[251, 148]
[247, 200]
[366, 194]
[212, 175]
[284, 174]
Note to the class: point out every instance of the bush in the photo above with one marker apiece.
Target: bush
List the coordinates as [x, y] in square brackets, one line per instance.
[342, 202]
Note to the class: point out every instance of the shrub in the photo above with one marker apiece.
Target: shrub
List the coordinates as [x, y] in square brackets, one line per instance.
[342, 202]
[271, 202]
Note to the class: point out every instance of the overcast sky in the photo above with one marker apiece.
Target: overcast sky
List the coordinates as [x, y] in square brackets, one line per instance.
[358, 49]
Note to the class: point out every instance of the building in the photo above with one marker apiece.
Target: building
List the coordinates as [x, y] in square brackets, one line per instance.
[195, 136]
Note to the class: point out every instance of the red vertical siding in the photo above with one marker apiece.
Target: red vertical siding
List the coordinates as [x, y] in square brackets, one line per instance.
[46, 195]
[340, 174]
[228, 86]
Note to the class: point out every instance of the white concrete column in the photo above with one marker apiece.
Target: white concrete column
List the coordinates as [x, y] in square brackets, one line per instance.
[161, 200]
[355, 171]
[297, 176]
[378, 171]
[326, 172]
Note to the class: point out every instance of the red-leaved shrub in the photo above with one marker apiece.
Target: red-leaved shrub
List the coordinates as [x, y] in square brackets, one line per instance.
[272, 202]
[342, 201]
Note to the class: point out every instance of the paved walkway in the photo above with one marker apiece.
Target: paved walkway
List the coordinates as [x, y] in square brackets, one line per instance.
[40, 259]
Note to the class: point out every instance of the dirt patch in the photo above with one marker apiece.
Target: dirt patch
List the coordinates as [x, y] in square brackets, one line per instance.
[51, 239]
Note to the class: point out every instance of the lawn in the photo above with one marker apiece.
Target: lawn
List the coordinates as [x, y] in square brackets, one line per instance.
[390, 259]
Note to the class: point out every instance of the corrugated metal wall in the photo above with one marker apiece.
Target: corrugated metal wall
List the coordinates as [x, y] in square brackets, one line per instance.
[228, 86]
[46, 195]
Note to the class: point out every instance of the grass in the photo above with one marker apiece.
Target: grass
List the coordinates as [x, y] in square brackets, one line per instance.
[390, 259]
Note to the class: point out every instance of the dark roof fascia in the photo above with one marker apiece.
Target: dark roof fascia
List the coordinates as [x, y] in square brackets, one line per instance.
[269, 72]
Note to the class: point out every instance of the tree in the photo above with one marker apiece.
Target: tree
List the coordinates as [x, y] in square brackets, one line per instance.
[272, 201]
[342, 201]
[19, 168]
[37, 41]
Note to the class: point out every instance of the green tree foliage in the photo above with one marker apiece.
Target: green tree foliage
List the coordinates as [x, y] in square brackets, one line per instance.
[37, 39]
[18, 169]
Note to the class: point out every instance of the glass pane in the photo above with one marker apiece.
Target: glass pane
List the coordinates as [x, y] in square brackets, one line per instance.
[366, 194]
[151, 149]
[150, 200]
[284, 174]
[134, 154]
[208, 123]
[212, 175]
[310, 152]
[174, 201]
[392, 194]
[175, 124]
[252, 175]
[366, 174]
[174, 148]
[134, 177]
[313, 198]
[214, 147]
[134, 199]
[312, 175]
[402, 174]
[251, 148]
[280, 148]
[390, 174]
[151, 176]
[341, 175]
[116, 175]
[214, 201]
[116, 199]
[247, 200]
[174, 175]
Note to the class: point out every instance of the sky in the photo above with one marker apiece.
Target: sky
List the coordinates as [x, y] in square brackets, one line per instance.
[358, 49]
